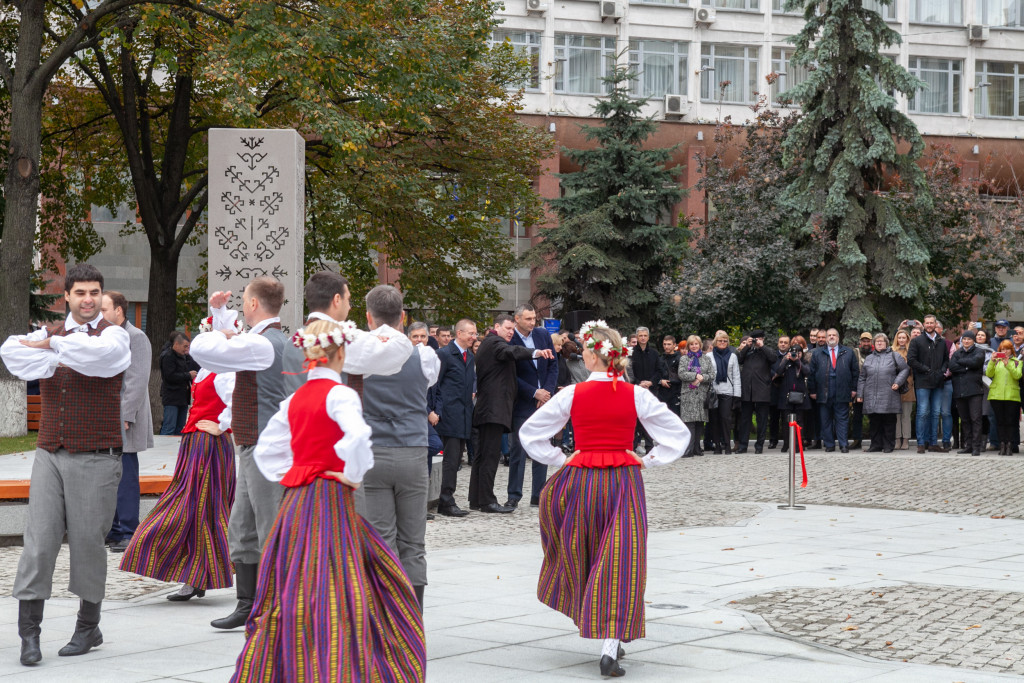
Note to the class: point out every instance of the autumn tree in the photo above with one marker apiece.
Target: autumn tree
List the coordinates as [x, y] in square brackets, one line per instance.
[845, 147]
[616, 239]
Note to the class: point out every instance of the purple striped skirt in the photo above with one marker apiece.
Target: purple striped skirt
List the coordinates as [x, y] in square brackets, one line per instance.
[593, 527]
[185, 538]
[332, 600]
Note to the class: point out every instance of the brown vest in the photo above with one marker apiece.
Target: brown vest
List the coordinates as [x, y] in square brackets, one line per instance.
[245, 404]
[80, 413]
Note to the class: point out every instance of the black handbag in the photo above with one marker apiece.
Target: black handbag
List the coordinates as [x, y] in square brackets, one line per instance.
[795, 398]
[711, 399]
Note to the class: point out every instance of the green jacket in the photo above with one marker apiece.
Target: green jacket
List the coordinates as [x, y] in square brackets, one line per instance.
[1005, 380]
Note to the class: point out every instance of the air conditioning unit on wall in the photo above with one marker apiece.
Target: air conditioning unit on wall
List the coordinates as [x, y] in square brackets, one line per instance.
[705, 15]
[610, 9]
[676, 105]
[536, 7]
[976, 33]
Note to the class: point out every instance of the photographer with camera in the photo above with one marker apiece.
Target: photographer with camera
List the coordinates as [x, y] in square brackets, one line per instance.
[790, 373]
[756, 363]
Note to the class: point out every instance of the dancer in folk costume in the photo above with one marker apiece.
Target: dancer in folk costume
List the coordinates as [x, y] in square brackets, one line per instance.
[593, 514]
[332, 600]
[185, 537]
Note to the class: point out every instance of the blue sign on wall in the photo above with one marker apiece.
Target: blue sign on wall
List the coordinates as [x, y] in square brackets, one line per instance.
[552, 325]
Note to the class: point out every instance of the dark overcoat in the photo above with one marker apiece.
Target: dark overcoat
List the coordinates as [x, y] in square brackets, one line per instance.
[496, 381]
[455, 392]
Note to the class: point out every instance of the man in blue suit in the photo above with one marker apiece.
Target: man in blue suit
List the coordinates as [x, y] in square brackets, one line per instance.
[833, 384]
[454, 423]
[537, 380]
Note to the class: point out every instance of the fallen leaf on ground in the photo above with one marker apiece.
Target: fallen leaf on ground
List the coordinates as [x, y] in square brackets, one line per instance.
[717, 622]
[850, 628]
[998, 516]
[888, 642]
[728, 548]
[970, 627]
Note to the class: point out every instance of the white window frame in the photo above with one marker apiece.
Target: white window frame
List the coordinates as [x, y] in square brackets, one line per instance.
[529, 45]
[887, 12]
[709, 84]
[782, 65]
[748, 5]
[562, 56]
[1003, 7]
[982, 75]
[954, 84]
[670, 3]
[680, 62]
[956, 20]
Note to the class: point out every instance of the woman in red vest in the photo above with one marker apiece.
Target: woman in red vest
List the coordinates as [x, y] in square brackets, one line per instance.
[332, 600]
[185, 537]
[593, 513]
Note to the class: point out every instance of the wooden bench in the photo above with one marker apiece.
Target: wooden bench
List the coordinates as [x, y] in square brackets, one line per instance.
[35, 412]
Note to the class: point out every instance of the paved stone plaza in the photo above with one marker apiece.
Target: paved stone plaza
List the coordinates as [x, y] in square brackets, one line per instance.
[899, 557]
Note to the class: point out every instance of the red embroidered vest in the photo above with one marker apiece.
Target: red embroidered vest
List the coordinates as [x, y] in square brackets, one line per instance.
[80, 413]
[245, 411]
[314, 434]
[206, 404]
[603, 421]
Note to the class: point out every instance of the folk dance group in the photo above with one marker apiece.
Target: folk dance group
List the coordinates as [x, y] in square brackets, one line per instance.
[324, 592]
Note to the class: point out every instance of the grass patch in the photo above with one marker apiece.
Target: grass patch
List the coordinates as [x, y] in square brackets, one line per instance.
[18, 444]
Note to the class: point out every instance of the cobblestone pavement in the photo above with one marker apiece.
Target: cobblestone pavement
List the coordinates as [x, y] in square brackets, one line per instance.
[974, 629]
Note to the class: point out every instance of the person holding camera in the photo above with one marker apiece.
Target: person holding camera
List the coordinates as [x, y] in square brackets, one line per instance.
[878, 389]
[790, 373]
[1004, 393]
[756, 362]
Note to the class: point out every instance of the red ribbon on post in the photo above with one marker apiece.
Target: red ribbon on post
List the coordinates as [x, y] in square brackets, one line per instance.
[800, 442]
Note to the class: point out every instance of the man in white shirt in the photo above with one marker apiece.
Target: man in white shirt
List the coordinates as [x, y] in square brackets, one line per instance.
[77, 463]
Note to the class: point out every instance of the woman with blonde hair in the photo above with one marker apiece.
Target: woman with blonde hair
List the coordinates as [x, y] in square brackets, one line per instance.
[905, 418]
[593, 513]
[332, 600]
[697, 372]
[727, 386]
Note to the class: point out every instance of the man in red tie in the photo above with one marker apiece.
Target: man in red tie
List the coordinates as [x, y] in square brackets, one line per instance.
[833, 384]
[455, 414]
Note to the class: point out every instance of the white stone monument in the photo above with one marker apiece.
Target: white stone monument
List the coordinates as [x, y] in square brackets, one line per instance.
[257, 213]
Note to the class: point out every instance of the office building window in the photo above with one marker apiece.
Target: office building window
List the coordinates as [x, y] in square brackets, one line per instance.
[745, 5]
[999, 90]
[1002, 13]
[582, 61]
[789, 74]
[779, 7]
[937, 12]
[888, 11]
[660, 66]
[681, 3]
[941, 94]
[728, 73]
[527, 44]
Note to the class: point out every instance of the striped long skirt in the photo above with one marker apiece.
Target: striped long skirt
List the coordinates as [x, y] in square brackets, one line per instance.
[332, 601]
[184, 538]
[593, 527]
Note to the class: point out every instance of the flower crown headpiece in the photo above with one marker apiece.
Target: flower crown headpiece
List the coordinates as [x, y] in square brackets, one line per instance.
[603, 348]
[206, 325]
[343, 334]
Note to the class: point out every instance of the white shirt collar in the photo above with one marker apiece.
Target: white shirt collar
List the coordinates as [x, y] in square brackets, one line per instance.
[522, 336]
[70, 325]
[320, 372]
[264, 324]
[599, 377]
[461, 350]
[317, 315]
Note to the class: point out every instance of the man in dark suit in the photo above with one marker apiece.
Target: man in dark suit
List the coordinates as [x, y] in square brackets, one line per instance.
[495, 398]
[647, 369]
[537, 380]
[833, 384]
[454, 424]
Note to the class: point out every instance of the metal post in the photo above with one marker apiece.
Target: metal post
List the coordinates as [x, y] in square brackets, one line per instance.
[791, 476]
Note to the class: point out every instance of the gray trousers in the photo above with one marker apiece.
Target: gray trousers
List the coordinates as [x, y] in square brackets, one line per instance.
[393, 499]
[74, 493]
[257, 500]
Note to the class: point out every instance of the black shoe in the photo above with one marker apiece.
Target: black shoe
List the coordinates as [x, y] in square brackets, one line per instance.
[120, 546]
[887, 450]
[87, 631]
[610, 667]
[504, 460]
[474, 507]
[784, 448]
[535, 503]
[963, 451]
[741, 450]
[844, 449]
[511, 504]
[976, 453]
[830, 449]
[856, 443]
[717, 451]
[30, 617]
[452, 510]
[430, 517]
[494, 507]
[182, 597]
[818, 444]
[245, 590]
[758, 450]
[773, 444]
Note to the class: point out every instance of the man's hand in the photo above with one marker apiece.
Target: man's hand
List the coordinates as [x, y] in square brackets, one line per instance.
[193, 373]
[127, 425]
[645, 384]
[665, 383]
[543, 353]
[759, 341]
[860, 400]
[433, 418]
[814, 396]
[219, 299]
[853, 394]
[209, 426]
[40, 344]
[542, 396]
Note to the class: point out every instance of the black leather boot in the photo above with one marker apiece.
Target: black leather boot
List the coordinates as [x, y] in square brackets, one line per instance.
[610, 667]
[87, 631]
[30, 616]
[419, 596]
[245, 589]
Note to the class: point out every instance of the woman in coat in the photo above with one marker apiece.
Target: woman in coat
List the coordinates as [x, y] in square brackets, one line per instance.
[728, 388]
[878, 389]
[967, 365]
[697, 372]
[791, 375]
[905, 420]
[1004, 394]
